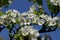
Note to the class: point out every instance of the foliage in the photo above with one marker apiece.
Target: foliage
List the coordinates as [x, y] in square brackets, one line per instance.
[5, 2]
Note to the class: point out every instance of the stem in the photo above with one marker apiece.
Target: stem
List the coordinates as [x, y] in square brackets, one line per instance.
[26, 38]
[52, 15]
[15, 32]
[11, 38]
[47, 37]
[43, 30]
[18, 29]
[11, 29]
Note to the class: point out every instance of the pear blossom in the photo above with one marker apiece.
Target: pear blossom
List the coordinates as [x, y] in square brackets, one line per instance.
[33, 38]
[55, 18]
[32, 8]
[4, 16]
[41, 21]
[36, 33]
[30, 15]
[43, 38]
[13, 14]
[1, 21]
[43, 16]
[34, 20]
[29, 30]
[10, 1]
[51, 23]
[27, 21]
[24, 14]
[24, 31]
[8, 11]
[49, 18]
[55, 2]
[13, 20]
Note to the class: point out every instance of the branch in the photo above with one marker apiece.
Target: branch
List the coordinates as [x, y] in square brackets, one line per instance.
[11, 29]
[46, 29]
[18, 29]
[15, 32]
[47, 37]
[51, 14]
[2, 28]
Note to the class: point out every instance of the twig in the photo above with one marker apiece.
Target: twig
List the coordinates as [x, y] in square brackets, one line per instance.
[2, 28]
[11, 37]
[43, 30]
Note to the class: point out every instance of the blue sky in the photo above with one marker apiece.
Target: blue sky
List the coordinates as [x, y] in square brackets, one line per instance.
[23, 6]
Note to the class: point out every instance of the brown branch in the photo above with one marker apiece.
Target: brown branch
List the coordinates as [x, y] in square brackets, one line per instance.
[52, 15]
[2, 28]
[11, 29]
[46, 29]
[49, 30]
[15, 32]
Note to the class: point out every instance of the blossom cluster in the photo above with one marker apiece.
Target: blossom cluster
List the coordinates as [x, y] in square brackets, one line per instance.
[28, 30]
[55, 2]
[27, 18]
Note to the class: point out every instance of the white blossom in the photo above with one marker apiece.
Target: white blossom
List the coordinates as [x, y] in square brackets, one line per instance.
[13, 20]
[43, 16]
[30, 15]
[29, 30]
[1, 21]
[33, 38]
[32, 8]
[54, 18]
[49, 18]
[12, 13]
[27, 21]
[8, 11]
[43, 38]
[4, 16]
[24, 14]
[36, 33]
[55, 2]
[10, 1]
[52, 23]
[24, 31]
[41, 21]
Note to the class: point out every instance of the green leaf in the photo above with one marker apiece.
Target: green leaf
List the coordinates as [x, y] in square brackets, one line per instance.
[8, 27]
[1, 13]
[39, 2]
[18, 36]
[54, 9]
[35, 12]
[4, 3]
